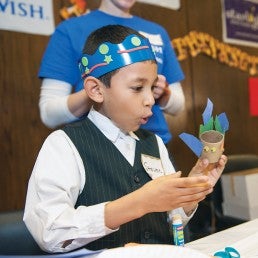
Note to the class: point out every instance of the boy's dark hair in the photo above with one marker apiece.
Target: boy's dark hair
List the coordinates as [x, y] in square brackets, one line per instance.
[110, 33]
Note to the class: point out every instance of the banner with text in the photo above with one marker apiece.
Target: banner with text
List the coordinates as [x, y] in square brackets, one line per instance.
[240, 22]
[29, 16]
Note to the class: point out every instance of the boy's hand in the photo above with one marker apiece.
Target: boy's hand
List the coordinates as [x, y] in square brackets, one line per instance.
[213, 171]
[171, 191]
[165, 193]
[162, 194]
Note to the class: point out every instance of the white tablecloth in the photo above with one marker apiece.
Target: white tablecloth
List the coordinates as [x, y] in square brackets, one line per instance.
[243, 237]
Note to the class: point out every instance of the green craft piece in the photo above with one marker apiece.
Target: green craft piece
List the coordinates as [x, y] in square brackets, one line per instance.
[207, 127]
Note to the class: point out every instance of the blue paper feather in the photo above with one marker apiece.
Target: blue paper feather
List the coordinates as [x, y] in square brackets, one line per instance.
[193, 143]
[223, 120]
[206, 115]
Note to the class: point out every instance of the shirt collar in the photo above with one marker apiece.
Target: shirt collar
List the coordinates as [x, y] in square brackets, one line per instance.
[107, 127]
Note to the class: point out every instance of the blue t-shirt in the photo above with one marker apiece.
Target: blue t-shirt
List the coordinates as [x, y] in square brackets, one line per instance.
[60, 60]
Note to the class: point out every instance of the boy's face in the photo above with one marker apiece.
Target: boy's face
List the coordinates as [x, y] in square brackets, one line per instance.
[129, 99]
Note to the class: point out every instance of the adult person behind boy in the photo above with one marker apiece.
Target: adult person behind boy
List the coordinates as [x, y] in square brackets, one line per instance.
[100, 182]
[58, 105]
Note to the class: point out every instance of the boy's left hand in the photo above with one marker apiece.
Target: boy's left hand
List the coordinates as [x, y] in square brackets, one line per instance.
[213, 171]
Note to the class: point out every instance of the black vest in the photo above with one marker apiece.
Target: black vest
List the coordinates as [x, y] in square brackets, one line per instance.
[109, 176]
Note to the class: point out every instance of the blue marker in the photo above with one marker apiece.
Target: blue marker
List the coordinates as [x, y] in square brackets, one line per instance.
[178, 230]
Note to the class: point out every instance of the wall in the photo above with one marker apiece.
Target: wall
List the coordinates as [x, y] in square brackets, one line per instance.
[22, 133]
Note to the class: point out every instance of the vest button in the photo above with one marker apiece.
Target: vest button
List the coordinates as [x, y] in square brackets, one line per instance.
[146, 235]
[137, 179]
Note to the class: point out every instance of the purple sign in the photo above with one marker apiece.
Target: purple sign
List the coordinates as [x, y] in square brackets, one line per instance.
[240, 22]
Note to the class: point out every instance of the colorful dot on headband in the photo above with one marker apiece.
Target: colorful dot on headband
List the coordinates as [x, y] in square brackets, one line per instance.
[103, 49]
[110, 57]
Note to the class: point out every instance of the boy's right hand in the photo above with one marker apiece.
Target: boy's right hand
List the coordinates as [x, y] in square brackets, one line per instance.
[172, 191]
[162, 194]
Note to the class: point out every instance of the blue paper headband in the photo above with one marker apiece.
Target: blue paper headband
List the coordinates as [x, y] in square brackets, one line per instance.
[110, 57]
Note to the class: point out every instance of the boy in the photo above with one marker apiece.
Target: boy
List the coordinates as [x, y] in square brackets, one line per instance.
[101, 182]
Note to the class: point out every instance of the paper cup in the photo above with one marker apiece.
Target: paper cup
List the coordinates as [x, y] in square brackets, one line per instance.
[213, 145]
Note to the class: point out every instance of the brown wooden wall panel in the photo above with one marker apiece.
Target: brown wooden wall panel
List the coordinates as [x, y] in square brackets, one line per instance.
[22, 133]
[21, 130]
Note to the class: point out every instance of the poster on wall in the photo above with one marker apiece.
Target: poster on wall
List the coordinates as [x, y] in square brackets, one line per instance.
[171, 4]
[30, 16]
[240, 22]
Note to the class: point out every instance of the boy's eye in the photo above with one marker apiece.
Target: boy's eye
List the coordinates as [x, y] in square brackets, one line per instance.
[137, 88]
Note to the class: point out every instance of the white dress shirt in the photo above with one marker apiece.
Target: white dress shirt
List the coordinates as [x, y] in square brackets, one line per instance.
[58, 177]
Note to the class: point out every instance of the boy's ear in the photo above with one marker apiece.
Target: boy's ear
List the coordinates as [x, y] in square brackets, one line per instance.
[93, 88]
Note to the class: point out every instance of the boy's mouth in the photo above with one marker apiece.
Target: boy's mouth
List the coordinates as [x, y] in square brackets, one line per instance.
[145, 119]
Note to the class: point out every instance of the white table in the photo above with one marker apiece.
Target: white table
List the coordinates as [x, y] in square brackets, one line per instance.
[243, 237]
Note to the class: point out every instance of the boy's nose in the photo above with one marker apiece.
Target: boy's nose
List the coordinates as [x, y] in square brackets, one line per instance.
[149, 100]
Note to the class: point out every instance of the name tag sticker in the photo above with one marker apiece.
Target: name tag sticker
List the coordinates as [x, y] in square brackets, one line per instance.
[152, 166]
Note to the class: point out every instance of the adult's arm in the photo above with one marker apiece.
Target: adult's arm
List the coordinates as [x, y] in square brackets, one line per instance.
[58, 105]
[173, 99]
